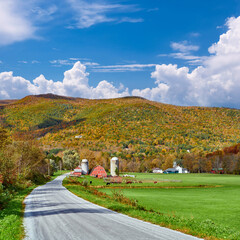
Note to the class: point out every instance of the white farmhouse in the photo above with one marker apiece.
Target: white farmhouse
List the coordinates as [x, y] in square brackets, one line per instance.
[157, 170]
[181, 170]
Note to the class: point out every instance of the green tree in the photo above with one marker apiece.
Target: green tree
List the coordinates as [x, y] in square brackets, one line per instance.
[70, 159]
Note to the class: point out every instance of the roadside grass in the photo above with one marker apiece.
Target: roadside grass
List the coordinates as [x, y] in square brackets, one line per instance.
[11, 217]
[209, 212]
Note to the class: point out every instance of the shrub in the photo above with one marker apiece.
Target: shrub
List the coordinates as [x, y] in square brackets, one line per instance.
[85, 183]
[5, 196]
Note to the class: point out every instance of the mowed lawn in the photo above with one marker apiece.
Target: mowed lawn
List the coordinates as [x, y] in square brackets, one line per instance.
[220, 204]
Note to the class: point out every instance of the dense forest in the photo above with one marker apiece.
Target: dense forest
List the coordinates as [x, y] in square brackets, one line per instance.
[142, 133]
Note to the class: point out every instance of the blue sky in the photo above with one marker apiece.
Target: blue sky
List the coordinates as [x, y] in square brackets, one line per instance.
[117, 41]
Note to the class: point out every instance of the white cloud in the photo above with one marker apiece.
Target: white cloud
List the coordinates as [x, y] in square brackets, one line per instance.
[20, 20]
[12, 87]
[131, 20]
[96, 67]
[61, 62]
[123, 68]
[185, 50]
[229, 41]
[14, 25]
[75, 83]
[191, 59]
[44, 14]
[214, 83]
[71, 61]
[89, 13]
[184, 47]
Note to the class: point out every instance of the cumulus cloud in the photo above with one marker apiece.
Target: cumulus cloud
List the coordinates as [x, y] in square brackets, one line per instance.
[214, 83]
[75, 83]
[20, 20]
[14, 26]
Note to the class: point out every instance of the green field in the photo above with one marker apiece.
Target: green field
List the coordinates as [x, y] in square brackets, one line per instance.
[207, 203]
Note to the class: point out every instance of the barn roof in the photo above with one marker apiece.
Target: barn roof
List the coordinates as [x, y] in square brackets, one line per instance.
[171, 169]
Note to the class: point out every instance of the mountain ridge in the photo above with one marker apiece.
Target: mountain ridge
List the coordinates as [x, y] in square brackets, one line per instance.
[131, 127]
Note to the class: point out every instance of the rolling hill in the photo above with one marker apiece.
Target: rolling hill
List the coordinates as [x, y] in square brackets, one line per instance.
[131, 127]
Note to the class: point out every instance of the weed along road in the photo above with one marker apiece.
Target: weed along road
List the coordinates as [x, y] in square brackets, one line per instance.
[52, 212]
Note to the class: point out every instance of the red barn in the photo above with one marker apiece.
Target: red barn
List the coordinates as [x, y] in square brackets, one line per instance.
[98, 172]
[77, 171]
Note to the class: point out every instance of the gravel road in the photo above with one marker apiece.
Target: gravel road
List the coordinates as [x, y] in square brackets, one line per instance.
[52, 212]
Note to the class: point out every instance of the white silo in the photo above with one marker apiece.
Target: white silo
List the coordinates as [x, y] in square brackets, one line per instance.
[114, 166]
[85, 166]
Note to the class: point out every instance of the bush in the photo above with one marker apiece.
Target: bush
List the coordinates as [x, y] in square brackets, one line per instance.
[5, 197]
[85, 183]
[39, 178]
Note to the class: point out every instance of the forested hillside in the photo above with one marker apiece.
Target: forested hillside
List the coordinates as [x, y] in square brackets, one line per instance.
[142, 133]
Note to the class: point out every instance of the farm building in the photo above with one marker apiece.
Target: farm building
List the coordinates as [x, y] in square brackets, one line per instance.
[217, 171]
[181, 170]
[77, 171]
[171, 170]
[114, 166]
[157, 170]
[98, 172]
[84, 167]
[176, 169]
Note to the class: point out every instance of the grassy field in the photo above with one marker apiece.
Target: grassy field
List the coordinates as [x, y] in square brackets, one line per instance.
[200, 204]
[11, 217]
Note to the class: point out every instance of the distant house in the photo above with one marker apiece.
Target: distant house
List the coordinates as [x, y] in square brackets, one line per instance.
[157, 170]
[217, 171]
[176, 169]
[181, 170]
[171, 170]
[78, 136]
[98, 172]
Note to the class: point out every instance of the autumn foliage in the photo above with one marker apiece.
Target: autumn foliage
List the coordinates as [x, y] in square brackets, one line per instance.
[141, 133]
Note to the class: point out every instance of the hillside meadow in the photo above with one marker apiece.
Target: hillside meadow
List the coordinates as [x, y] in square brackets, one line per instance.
[204, 205]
